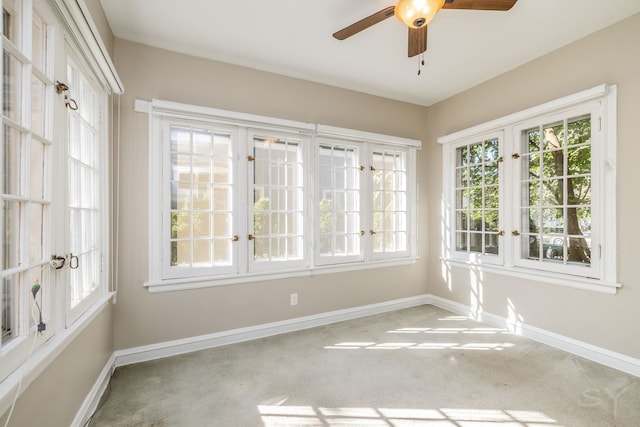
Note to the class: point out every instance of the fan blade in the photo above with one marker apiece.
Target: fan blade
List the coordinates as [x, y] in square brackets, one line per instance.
[365, 23]
[479, 4]
[417, 40]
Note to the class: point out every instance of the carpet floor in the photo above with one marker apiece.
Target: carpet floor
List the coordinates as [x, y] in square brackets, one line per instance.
[421, 366]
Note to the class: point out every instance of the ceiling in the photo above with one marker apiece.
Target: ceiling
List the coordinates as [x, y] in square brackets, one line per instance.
[293, 38]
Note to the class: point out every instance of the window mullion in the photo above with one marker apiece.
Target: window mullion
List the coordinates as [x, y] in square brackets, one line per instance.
[366, 198]
[243, 214]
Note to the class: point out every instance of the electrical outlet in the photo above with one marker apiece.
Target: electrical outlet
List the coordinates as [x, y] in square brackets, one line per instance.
[294, 299]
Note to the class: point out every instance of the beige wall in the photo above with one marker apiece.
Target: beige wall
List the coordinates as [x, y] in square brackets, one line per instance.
[143, 318]
[55, 397]
[609, 56]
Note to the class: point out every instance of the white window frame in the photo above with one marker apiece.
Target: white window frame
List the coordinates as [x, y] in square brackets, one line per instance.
[64, 20]
[410, 208]
[450, 158]
[321, 259]
[178, 272]
[248, 125]
[600, 102]
[102, 226]
[259, 266]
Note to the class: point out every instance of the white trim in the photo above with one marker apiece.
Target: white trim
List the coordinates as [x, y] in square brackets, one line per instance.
[181, 284]
[202, 342]
[529, 113]
[357, 135]
[594, 353]
[47, 353]
[609, 134]
[196, 112]
[92, 400]
[188, 111]
[76, 16]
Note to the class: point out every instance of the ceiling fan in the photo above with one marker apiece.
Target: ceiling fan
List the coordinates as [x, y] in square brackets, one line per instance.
[416, 14]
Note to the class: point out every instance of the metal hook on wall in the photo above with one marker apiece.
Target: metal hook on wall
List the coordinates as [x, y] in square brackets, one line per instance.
[68, 102]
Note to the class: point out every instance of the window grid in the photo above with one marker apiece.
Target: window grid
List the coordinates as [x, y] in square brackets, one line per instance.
[281, 180]
[26, 157]
[556, 189]
[477, 196]
[278, 208]
[84, 149]
[201, 211]
[390, 210]
[339, 200]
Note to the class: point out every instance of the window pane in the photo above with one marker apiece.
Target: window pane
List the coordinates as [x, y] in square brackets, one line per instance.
[12, 88]
[11, 234]
[461, 220]
[39, 42]
[579, 131]
[554, 136]
[202, 253]
[222, 252]
[553, 192]
[553, 163]
[180, 140]
[181, 253]
[37, 169]
[532, 140]
[461, 242]
[7, 313]
[36, 212]
[12, 161]
[11, 20]
[37, 105]
[579, 160]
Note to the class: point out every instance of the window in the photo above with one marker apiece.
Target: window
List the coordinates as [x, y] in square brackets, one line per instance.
[278, 200]
[247, 197]
[477, 198]
[200, 214]
[547, 206]
[556, 212]
[339, 223]
[26, 197]
[389, 196]
[87, 195]
[53, 193]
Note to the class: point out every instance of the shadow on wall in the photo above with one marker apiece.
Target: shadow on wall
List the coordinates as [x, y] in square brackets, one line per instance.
[476, 276]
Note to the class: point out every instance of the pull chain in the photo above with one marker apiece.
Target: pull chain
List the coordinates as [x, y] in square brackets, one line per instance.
[420, 63]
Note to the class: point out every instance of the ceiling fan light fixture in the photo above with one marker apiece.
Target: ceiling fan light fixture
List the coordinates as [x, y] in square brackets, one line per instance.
[417, 13]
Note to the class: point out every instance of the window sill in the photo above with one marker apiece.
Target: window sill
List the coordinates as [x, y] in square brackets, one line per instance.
[211, 281]
[582, 283]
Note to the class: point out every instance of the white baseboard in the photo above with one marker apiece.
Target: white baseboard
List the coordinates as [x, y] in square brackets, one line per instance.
[600, 355]
[92, 400]
[202, 342]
